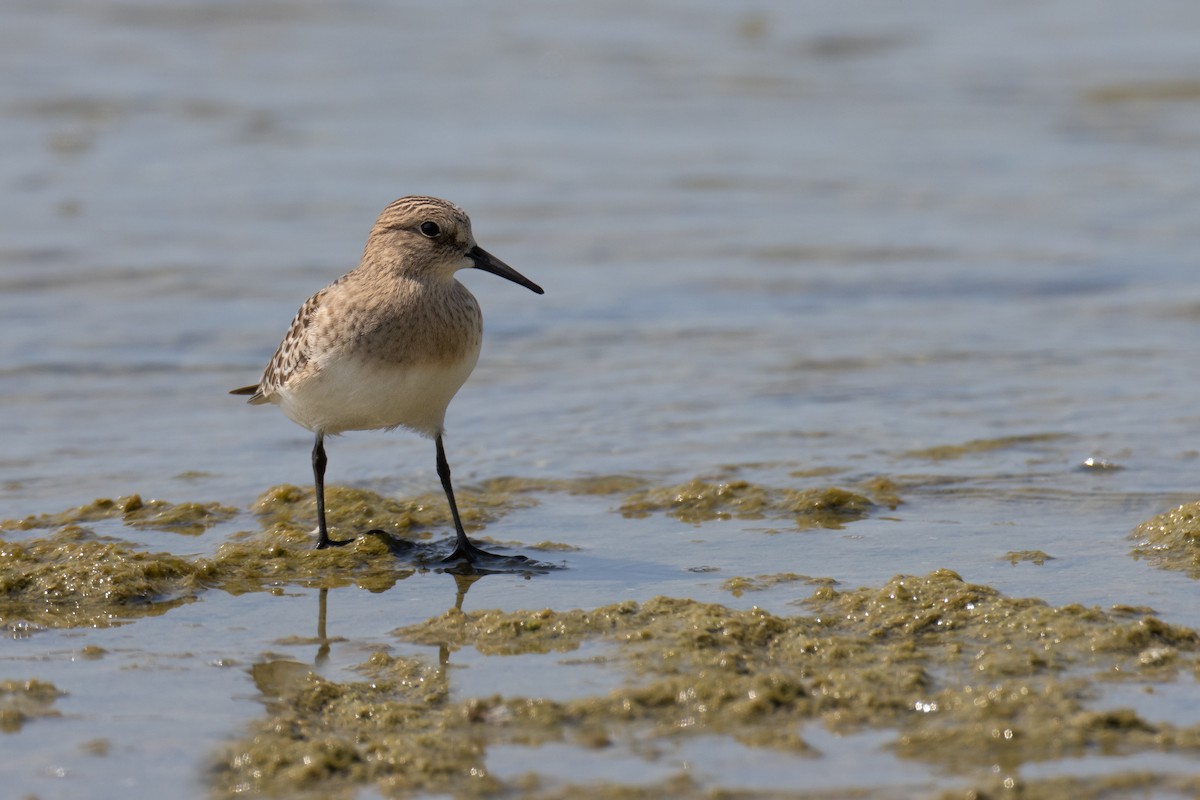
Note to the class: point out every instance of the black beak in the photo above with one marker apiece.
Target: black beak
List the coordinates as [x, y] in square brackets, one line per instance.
[489, 263]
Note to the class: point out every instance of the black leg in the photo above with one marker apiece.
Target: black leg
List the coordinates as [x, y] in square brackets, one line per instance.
[318, 463]
[463, 549]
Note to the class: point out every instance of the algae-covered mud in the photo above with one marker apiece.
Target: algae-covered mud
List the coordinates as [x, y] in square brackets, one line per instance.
[700, 501]
[73, 576]
[983, 689]
[194, 518]
[954, 676]
[978, 685]
[1171, 540]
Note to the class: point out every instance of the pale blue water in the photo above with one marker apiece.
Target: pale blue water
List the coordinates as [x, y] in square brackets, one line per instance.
[774, 236]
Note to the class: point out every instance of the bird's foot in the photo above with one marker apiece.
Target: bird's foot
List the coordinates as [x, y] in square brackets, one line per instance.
[324, 542]
[465, 551]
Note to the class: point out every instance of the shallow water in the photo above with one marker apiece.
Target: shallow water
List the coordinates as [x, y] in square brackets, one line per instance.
[800, 246]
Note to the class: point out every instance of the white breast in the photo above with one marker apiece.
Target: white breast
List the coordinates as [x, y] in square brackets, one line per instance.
[351, 394]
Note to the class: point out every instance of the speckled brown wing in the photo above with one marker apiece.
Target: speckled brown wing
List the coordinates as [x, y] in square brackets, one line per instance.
[291, 356]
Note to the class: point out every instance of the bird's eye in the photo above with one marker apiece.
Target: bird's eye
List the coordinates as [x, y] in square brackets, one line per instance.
[430, 229]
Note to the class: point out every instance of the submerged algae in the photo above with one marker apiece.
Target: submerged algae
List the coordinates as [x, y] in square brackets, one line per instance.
[739, 585]
[597, 485]
[968, 679]
[1186, 90]
[22, 701]
[1036, 557]
[947, 452]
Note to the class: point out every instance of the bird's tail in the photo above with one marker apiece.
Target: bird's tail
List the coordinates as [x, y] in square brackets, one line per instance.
[255, 392]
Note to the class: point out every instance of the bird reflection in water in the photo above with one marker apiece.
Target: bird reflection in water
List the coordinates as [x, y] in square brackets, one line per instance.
[276, 678]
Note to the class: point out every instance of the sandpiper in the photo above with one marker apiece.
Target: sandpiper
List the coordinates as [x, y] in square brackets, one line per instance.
[389, 343]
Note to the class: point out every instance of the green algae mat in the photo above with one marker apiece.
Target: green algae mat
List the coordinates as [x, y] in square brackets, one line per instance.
[966, 678]
[974, 685]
